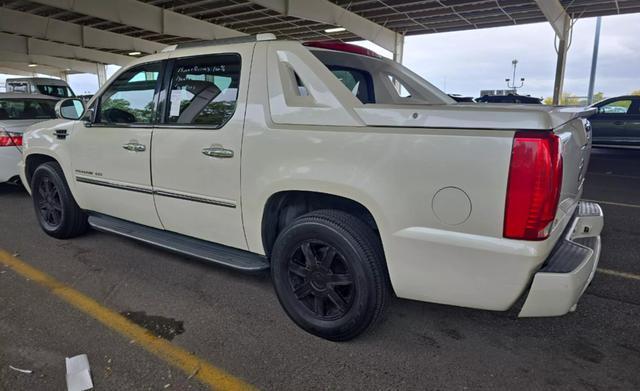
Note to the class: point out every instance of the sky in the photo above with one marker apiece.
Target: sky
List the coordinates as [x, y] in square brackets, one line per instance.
[466, 62]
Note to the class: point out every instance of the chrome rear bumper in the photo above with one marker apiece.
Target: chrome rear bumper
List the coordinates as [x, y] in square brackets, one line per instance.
[564, 277]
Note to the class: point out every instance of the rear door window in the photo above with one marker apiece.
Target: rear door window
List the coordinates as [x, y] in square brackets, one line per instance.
[204, 90]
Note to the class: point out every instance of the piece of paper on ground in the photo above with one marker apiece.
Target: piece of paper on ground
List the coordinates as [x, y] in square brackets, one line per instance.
[78, 373]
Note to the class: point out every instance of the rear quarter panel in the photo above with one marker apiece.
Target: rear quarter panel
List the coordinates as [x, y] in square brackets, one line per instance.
[395, 173]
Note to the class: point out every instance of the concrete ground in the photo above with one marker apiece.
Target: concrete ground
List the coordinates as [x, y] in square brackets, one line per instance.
[234, 322]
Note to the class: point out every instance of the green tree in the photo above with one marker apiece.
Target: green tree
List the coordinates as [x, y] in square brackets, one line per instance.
[598, 96]
[567, 98]
[636, 92]
[117, 103]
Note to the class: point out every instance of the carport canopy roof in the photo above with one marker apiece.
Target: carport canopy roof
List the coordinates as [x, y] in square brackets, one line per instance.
[87, 32]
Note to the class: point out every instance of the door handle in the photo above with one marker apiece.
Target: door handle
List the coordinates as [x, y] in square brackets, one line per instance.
[618, 123]
[218, 152]
[134, 147]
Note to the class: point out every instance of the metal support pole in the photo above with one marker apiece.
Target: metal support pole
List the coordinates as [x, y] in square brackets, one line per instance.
[561, 64]
[398, 52]
[101, 71]
[63, 76]
[594, 60]
[398, 48]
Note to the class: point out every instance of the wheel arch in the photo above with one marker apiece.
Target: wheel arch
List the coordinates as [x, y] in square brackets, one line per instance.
[284, 206]
[38, 157]
[33, 161]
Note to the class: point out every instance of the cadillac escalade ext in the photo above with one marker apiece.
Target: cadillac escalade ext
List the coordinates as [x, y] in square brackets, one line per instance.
[344, 173]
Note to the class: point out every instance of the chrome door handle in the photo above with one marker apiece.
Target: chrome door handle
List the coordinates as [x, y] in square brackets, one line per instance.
[218, 152]
[134, 147]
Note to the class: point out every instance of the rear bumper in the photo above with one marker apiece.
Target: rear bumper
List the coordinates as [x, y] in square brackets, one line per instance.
[565, 275]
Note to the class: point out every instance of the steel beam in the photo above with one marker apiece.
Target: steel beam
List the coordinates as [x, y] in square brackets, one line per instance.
[145, 16]
[11, 71]
[324, 11]
[33, 46]
[557, 17]
[51, 29]
[56, 62]
[44, 70]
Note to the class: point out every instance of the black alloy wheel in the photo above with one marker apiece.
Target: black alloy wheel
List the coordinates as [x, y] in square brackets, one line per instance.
[49, 204]
[57, 211]
[321, 279]
[329, 273]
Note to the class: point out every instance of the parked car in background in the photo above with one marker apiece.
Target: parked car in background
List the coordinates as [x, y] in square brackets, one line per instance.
[617, 122]
[308, 160]
[462, 99]
[40, 85]
[510, 98]
[17, 112]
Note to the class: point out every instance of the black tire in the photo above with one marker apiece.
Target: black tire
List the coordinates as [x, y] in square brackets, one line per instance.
[57, 211]
[329, 273]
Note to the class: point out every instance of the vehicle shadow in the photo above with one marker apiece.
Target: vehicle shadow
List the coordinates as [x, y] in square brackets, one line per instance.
[10, 188]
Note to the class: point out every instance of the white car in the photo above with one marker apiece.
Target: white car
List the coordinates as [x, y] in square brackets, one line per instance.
[345, 173]
[40, 85]
[18, 112]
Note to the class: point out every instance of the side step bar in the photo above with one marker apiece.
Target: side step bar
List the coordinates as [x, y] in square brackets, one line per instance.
[196, 248]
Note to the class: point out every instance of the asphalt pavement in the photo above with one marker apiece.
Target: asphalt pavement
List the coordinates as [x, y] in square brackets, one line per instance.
[233, 321]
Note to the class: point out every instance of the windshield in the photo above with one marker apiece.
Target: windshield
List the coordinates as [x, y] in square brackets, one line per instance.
[57, 91]
[27, 109]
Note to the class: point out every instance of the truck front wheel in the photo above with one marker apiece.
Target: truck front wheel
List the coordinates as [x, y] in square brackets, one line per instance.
[57, 211]
[328, 271]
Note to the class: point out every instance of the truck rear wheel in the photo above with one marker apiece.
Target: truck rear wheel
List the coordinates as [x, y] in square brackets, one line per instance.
[57, 211]
[329, 274]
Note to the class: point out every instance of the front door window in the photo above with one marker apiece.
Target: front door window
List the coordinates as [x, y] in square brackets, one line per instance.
[130, 98]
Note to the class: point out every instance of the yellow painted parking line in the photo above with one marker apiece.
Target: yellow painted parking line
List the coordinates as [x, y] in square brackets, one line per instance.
[190, 364]
[613, 203]
[616, 273]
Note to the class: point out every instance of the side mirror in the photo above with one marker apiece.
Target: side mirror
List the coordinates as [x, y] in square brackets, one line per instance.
[70, 108]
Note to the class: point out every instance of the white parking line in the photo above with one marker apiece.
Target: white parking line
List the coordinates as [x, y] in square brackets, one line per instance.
[629, 276]
[614, 175]
[614, 203]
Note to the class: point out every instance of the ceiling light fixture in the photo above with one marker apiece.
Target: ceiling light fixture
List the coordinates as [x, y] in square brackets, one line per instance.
[335, 30]
[32, 65]
[135, 53]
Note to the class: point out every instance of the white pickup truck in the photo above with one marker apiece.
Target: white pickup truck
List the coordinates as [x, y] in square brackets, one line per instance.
[344, 173]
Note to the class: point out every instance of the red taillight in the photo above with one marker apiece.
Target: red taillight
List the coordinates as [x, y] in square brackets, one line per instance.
[342, 47]
[533, 190]
[10, 139]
